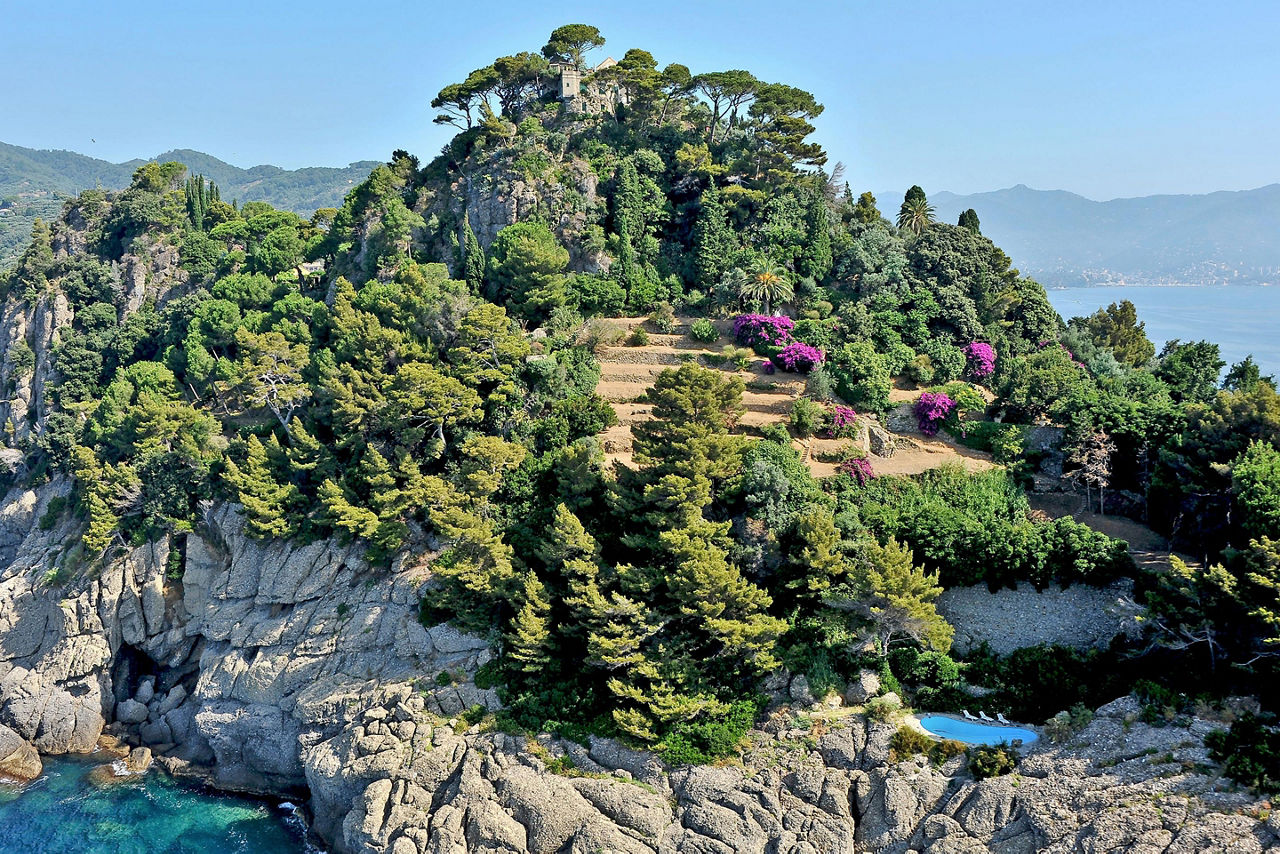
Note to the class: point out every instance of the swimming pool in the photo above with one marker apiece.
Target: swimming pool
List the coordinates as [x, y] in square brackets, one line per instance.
[971, 732]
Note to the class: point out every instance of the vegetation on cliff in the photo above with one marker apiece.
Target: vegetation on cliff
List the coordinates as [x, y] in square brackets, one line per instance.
[415, 368]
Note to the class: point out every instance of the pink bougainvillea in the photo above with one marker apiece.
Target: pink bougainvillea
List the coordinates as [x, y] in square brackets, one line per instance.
[982, 360]
[931, 410]
[799, 358]
[858, 468]
[843, 420]
[752, 329]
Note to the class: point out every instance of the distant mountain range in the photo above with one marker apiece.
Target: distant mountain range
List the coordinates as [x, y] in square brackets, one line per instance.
[33, 183]
[1062, 239]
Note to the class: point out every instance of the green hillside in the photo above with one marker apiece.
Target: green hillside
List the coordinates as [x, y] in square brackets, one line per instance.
[34, 183]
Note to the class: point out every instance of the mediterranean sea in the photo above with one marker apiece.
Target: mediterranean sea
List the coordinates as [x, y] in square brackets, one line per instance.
[64, 813]
[1240, 319]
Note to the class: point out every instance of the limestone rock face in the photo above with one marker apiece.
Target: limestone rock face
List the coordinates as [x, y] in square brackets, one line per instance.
[18, 758]
[299, 670]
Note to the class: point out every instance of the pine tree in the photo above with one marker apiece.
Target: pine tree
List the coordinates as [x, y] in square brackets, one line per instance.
[529, 635]
[816, 561]
[102, 524]
[339, 512]
[897, 598]
[265, 500]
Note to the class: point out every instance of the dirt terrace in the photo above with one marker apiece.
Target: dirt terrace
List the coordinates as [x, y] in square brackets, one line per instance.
[628, 372]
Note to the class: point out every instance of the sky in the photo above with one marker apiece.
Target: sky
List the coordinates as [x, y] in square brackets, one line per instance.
[1105, 99]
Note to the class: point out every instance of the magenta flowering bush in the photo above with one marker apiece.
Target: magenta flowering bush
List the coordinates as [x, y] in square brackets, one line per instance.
[981, 358]
[799, 358]
[858, 468]
[843, 420]
[931, 410]
[752, 329]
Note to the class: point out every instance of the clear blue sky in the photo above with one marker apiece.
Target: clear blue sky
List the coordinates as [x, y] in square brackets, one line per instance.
[1102, 98]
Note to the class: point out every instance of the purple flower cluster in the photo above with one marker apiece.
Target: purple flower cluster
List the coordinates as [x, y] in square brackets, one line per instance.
[858, 468]
[752, 329]
[799, 358]
[982, 360]
[843, 418]
[931, 410]
[768, 367]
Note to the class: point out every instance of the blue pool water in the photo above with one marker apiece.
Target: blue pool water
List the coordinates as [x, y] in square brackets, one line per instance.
[975, 733]
[64, 813]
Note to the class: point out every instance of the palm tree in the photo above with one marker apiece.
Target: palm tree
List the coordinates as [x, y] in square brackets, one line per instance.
[767, 283]
[916, 214]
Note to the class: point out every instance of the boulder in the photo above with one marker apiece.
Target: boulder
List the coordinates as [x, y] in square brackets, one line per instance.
[18, 758]
[146, 690]
[131, 712]
[172, 700]
[139, 760]
[862, 688]
[800, 691]
[880, 441]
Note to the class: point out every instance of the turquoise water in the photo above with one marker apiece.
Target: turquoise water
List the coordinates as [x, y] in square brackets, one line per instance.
[1240, 319]
[975, 733]
[64, 813]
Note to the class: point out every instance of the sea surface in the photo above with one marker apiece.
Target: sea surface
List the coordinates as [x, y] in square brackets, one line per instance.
[1240, 319]
[64, 813]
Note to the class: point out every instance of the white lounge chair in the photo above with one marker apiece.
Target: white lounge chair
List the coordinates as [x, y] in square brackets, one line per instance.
[983, 715]
[1002, 719]
[967, 716]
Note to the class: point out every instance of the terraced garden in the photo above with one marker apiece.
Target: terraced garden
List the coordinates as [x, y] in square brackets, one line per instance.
[628, 371]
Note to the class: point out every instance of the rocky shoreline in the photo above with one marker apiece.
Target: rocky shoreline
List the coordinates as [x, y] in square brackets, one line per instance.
[296, 671]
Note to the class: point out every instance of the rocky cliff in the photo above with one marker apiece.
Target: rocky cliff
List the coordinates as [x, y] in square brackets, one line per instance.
[297, 669]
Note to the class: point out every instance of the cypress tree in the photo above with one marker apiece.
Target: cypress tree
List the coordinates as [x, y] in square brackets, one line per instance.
[969, 220]
[815, 256]
[712, 240]
[473, 260]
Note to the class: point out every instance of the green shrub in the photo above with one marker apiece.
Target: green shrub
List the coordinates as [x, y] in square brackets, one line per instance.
[992, 761]
[709, 738]
[807, 417]
[1249, 752]
[703, 330]
[1161, 705]
[638, 337]
[1064, 726]
[882, 708]
[599, 334]
[663, 318]
[819, 385]
[53, 512]
[739, 357]
[909, 741]
[920, 369]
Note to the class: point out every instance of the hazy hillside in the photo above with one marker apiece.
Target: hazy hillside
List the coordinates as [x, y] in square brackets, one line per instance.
[33, 184]
[1064, 239]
